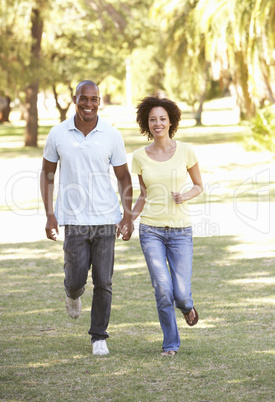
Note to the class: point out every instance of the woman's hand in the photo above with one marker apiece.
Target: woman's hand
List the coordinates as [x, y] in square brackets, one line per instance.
[178, 198]
[197, 188]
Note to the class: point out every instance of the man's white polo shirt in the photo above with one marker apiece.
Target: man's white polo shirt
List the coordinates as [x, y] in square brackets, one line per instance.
[85, 194]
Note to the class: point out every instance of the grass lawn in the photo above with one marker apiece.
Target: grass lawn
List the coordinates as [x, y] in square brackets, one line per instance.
[47, 356]
[11, 139]
[12, 135]
[228, 356]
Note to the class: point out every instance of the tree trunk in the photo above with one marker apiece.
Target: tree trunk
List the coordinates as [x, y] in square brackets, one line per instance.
[62, 110]
[31, 131]
[242, 79]
[5, 109]
[266, 77]
[198, 114]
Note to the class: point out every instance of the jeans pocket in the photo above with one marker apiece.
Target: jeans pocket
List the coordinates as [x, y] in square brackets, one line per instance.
[188, 231]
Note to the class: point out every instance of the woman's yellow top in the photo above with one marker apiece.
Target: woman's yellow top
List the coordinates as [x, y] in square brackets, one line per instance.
[160, 178]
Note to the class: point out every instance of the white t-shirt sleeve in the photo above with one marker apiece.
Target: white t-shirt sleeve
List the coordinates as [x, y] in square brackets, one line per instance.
[119, 155]
[50, 151]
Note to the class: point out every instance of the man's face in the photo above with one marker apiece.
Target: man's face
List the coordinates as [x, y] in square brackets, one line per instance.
[86, 102]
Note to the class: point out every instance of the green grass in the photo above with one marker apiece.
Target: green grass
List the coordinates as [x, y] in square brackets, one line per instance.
[14, 136]
[218, 129]
[229, 355]
[12, 142]
[46, 356]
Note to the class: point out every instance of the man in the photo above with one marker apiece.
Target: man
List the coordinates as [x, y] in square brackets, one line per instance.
[85, 146]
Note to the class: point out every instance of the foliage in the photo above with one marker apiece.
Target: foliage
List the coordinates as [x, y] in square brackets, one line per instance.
[241, 43]
[263, 127]
[147, 70]
[235, 38]
[91, 39]
[179, 48]
[87, 38]
[14, 46]
[185, 47]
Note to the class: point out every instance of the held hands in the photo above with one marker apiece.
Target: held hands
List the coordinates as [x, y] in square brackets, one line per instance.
[125, 228]
[178, 198]
[52, 228]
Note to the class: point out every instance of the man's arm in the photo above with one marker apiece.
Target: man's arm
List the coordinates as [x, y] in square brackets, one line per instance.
[125, 226]
[47, 187]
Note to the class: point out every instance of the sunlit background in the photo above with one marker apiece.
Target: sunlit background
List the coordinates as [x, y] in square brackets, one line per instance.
[216, 59]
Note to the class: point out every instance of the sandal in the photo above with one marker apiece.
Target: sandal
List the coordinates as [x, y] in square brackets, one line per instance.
[168, 353]
[189, 321]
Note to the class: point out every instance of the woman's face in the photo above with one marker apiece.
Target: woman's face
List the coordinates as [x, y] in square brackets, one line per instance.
[159, 122]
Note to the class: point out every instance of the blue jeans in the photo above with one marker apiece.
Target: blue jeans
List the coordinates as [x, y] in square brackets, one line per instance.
[87, 246]
[175, 245]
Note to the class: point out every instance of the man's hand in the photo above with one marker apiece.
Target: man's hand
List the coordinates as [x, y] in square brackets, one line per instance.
[125, 227]
[52, 228]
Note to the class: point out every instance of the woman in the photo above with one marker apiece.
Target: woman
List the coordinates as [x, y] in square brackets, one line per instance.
[165, 228]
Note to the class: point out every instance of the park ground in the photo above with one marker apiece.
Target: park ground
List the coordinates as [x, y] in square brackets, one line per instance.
[227, 356]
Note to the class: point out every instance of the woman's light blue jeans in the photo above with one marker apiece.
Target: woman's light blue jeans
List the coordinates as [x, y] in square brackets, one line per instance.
[172, 289]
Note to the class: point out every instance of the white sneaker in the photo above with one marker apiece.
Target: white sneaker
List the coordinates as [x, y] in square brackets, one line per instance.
[100, 348]
[73, 307]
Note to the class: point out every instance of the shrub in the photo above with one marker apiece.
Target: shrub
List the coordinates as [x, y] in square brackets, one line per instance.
[263, 127]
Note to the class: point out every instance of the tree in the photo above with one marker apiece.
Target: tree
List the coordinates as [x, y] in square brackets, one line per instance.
[186, 48]
[247, 31]
[20, 47]
[14, 47]
[81, 39]
[4, 108]
[229, 38]
[31, 130]
[93, 41]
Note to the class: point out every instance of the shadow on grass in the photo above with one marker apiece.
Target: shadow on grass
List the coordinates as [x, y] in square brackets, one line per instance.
[221, 280]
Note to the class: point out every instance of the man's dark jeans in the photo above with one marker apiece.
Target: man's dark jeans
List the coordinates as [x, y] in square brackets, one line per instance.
[86, 247]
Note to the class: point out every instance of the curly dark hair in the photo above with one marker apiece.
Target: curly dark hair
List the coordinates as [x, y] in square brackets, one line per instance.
[144, 108]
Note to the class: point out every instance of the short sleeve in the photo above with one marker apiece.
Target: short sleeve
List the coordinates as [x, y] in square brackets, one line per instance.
[191, 157]
[136, 165]
[119, 155]
[50, 152]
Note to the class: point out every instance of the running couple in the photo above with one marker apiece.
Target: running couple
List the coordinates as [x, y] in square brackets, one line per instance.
[86, 146]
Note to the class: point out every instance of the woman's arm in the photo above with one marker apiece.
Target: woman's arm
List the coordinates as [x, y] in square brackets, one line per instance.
[140, 201]
[197, 188]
